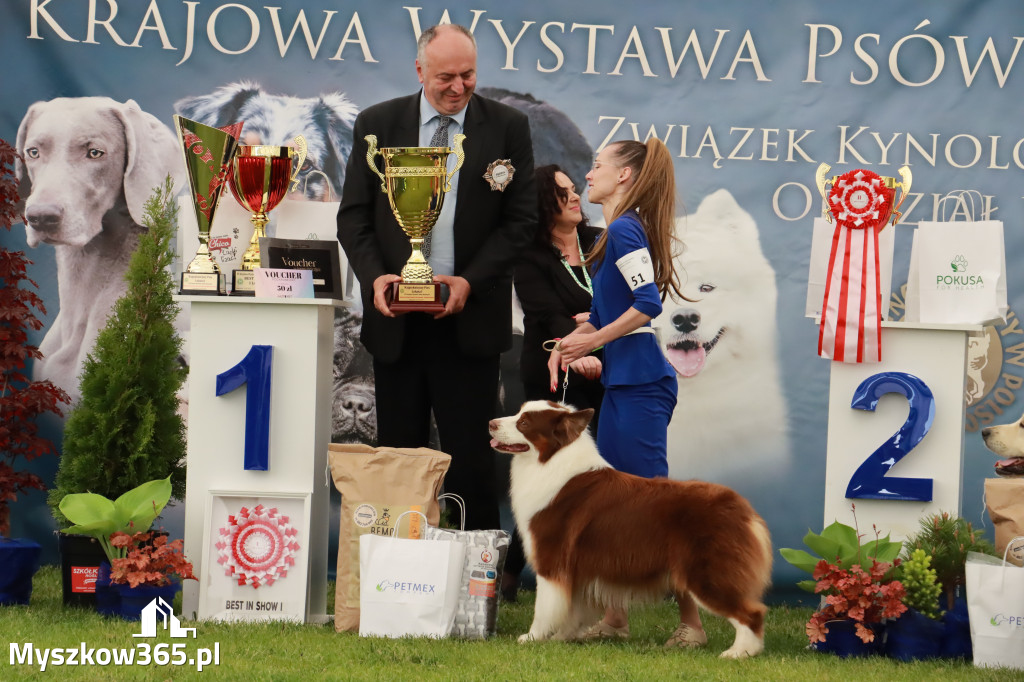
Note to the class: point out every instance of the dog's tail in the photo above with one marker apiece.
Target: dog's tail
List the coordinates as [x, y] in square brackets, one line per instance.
[762, 563]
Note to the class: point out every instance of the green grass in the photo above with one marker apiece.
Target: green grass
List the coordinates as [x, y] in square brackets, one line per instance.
[276, 651]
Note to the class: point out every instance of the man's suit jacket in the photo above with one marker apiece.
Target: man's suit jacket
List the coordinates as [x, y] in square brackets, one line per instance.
[491, 227]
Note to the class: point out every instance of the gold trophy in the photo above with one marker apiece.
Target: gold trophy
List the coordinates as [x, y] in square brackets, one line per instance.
[208, 153]
[893, 208]
[415, 180]
[260, 177]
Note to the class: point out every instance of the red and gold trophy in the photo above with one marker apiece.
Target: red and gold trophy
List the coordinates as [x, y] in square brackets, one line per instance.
[861, 202]
[415, 180]
[259, 180]
[208, 152]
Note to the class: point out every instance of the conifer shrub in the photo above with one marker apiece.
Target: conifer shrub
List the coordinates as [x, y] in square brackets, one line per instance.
[126, 428]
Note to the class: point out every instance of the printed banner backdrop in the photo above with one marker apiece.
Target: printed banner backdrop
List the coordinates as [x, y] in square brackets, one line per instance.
[749, 97]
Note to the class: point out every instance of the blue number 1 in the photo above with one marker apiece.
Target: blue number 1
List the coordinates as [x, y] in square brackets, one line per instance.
[254, 370]
[870, 480]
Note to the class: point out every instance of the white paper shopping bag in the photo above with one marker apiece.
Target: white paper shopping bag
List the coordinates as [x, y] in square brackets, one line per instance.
[408, 587]
[230, 232]
[298, 219]
[960, 272]
[995, 606]
[817, 275]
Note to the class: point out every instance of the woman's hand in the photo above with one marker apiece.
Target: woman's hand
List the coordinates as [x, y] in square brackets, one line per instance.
[576, 345]
[588, 366]
[580, 318]
[554, 364]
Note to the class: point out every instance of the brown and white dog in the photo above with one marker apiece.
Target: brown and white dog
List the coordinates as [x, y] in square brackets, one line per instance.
[1007, 442]
[597, 537]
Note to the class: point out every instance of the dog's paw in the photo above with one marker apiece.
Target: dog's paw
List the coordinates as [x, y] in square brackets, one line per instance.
[523, 639]
[735, 652]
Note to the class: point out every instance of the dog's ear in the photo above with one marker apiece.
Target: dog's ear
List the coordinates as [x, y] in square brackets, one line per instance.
[20, 171]
[221, 107]
[336, 114]
[567, 428]
[152, 153]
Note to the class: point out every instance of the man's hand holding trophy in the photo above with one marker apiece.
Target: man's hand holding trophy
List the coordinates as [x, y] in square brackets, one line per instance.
[415, 180]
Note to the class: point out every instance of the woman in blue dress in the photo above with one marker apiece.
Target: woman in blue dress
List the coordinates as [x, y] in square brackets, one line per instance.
[635, 185]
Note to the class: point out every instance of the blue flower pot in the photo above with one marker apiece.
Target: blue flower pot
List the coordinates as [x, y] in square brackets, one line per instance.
[19, 561]
[108, 597]
[956, 635]
[135, 599]
[842, 640]
[913, 636]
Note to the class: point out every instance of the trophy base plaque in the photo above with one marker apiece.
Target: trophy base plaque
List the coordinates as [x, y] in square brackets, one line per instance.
[407, 297]
[201, 284]
[243, 283]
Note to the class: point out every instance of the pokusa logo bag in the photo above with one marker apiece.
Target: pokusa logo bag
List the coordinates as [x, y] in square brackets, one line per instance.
[957, 269]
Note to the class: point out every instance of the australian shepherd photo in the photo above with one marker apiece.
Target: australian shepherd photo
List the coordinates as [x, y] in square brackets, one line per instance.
[598, 538]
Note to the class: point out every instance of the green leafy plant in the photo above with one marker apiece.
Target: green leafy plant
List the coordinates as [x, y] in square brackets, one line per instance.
[101, 518]
[126, 428]
[863, 596]
[840, 545]
[22, 401]
[948, 539]
[921, 583]
[149, 560]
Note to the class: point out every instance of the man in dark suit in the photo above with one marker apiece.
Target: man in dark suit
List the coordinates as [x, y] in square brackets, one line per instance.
[447, 363]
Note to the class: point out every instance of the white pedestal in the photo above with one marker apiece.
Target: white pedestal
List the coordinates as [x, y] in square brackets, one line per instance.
[936, 354]
[301, 334]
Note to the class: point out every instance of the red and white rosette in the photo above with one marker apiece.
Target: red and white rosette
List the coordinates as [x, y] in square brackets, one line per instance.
[851, 314]
[257, 547]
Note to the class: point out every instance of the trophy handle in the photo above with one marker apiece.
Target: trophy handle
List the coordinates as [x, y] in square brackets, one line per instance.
[460, 156]
[371, 151]
[908, 178]
[820, 179]
[300, 146]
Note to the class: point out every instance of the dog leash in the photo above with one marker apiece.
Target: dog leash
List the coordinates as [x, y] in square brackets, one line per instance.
[556, 344]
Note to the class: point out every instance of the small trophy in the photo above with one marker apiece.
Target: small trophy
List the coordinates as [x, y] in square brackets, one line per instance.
[208, 153]
[857, 198]
[260, 177]
[415, 180]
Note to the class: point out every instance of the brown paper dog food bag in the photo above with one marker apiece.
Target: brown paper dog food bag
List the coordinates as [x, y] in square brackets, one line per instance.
[376, 486]
[1004, 498]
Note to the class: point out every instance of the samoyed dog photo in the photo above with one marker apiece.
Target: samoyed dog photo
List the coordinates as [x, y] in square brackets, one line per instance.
[731, 418]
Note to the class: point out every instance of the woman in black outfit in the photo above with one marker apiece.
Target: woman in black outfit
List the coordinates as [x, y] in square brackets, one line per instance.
[554, 290]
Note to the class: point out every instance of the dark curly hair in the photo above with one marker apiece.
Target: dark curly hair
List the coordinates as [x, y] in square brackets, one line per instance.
[550, 197]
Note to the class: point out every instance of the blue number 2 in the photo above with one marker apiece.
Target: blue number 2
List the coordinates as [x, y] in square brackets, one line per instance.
[254, 370]
[870, 480]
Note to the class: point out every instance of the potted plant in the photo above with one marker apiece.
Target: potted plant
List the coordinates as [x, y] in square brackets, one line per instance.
[22, 401]
[857, 601]
[152, 567]
[126, 428]
[856, 581]
[101, 518]
[947, 539]
[917, 634]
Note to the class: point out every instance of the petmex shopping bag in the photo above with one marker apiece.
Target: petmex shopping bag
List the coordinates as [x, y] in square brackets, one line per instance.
[995, 606]
[408, 587]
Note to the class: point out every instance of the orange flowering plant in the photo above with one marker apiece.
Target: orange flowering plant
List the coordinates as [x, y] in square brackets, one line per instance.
[149, 561]
[855, 594]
